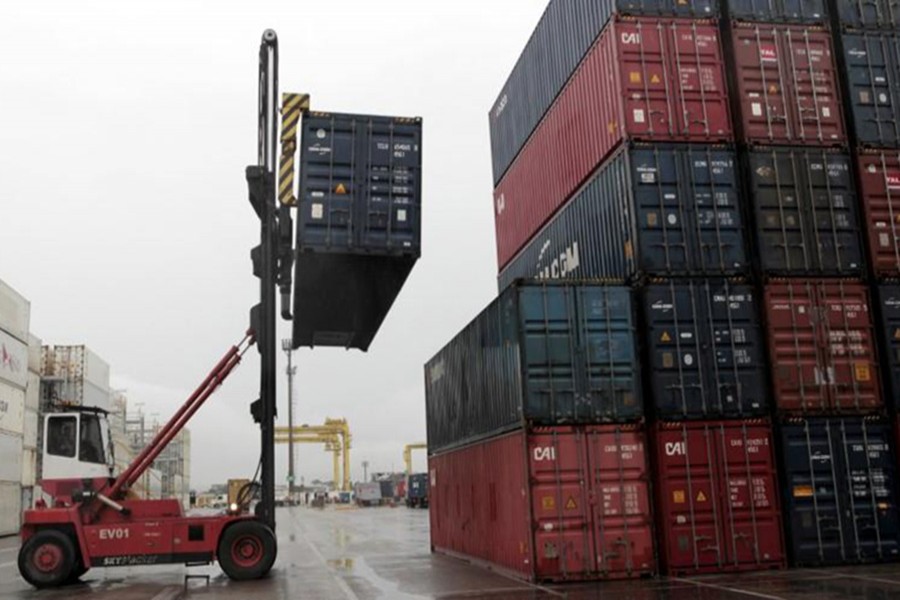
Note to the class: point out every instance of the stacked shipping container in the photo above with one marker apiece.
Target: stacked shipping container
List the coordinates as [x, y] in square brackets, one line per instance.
[742, 245]
[14, 323]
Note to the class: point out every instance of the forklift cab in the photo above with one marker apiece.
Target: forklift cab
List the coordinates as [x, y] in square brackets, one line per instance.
[76, 447]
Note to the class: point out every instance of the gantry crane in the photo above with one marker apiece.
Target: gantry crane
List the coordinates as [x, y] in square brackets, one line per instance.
[332, 444]
[332, 427]
[407, 454]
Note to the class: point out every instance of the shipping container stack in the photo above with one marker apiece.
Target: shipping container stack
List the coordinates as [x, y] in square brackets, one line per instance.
[803, 209]
[15, 316]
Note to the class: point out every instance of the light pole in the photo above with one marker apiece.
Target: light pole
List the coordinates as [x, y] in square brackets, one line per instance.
[286, 345]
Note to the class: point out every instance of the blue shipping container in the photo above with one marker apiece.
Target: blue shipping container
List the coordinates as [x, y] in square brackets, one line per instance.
[840, 480]
[889, 305]
[358, 224]
[872, 71]
[706, 350]
[869, 14]
[779, 11]
[565, 32]
[664, 210]
[541, 353]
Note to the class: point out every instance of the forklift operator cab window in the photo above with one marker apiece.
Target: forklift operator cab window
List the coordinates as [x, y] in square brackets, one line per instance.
[91, 448]
[61, 436]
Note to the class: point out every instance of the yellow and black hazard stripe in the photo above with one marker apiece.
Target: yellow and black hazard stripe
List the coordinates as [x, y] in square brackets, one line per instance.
[292, 105]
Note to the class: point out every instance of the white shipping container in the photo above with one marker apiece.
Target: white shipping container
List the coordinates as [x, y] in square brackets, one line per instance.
[15, 313]
[34, 353]
[80, 393]
[30, 430]
[28, 497]
[75, 363]
[11, 453]
[12, 409]
[13, 360]
[33, 392]
[29, 467]
[10, 507]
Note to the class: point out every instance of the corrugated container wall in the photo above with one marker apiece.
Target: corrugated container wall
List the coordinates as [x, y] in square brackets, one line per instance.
[358, 214]
[668, 84]
[787, 85]
[717, 491]
[33, 392]
[805, 208]
[11, 451]
[872, 70]
[12, 409]
[779, 11]
[657, 210]
[840, 492]
[889, 328]
[555, 503]
[564, 34]
[15, 313]
[544, 353]
[822, 347]
[706, 350]
[13, 361]
[10, 507]
[879, 177]
[35, 353]
[869, 14]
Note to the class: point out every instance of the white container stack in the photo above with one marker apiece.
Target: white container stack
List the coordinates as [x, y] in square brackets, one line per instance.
[75, 376]
[15, 315]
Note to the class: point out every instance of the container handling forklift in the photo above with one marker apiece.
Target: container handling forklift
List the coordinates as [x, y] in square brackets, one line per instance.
[92, 520]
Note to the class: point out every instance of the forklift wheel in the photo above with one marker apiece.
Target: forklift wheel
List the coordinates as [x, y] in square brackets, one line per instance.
[47, 559]
[247, 550]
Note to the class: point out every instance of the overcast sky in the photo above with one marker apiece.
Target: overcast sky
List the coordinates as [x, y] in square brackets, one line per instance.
[125, 128]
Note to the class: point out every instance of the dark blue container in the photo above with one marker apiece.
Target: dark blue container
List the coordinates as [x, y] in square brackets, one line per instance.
[869, 14]
[840, 477]
[805, 212]
[541, 353]
[417, 490]
[889, 306]
[664, 210]
[872, 72]
[562, 37]
[358, 224]
[778, 11]
[705, 349]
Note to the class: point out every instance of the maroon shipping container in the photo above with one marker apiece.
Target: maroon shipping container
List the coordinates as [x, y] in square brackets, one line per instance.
[822, 347]
[644, 79]
[787, 85]
[717, 491]
[553, 503]
[879, 176]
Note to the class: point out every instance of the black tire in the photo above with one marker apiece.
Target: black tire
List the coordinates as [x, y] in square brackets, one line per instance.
[47, 559]
[77, 571]
[247, 550]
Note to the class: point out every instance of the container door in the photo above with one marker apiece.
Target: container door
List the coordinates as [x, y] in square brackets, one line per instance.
[753, 528]
[871, 526]
[815, 502]
[620, 508]
[872, 60]
[563, 540]
[879, 178]
[690, 517]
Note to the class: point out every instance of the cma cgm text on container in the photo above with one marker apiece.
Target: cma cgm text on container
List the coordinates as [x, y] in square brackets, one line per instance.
[548, 503]
[657, 210]
[644, 79]
[565, 32]
[541, 353]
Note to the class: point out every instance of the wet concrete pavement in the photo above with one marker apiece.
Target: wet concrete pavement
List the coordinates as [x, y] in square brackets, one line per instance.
[344, 553]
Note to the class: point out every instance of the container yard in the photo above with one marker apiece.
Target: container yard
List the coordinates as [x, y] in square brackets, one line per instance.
[521, 299]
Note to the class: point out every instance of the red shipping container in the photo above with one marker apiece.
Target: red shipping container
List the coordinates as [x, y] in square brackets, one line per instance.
[550, 504]
[717, 490]
[644, 79]
[879, 176]
[822, 347]
[787, 85]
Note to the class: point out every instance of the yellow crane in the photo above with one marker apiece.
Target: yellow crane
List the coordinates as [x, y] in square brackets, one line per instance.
[332, 444]
[407, 454]
[337, 431]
